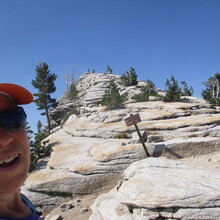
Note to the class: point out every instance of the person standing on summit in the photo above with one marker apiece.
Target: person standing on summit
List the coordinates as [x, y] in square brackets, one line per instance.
[14, 154]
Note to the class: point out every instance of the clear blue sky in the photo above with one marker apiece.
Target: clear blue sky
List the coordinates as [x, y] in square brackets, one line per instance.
[158, 38]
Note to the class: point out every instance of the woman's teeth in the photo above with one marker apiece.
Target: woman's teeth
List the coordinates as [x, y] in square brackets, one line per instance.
[8, 159]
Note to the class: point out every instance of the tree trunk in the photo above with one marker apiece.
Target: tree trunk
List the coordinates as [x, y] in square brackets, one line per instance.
[48, 120]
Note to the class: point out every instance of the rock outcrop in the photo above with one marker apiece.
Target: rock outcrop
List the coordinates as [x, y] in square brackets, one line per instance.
[91, 88]
[158, 188]
[92, 149]
[89, 155]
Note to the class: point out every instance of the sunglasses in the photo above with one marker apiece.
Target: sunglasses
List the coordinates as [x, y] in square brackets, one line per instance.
[13, 119]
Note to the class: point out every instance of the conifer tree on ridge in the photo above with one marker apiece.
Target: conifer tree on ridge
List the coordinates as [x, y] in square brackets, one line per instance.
[45, 83]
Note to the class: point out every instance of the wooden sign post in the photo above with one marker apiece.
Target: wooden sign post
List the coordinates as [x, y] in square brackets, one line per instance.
[133, 120]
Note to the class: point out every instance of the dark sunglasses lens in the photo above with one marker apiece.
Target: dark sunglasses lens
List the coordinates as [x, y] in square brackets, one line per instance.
[13, 119]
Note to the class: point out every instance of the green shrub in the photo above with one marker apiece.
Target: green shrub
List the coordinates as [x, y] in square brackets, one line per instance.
[112, 98]
[121, 136]
[146, 91]
[141, 97]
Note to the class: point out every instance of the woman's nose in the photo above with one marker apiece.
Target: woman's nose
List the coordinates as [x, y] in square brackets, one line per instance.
[5, 137]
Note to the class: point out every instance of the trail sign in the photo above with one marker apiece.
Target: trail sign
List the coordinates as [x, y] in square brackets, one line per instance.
[132, 119]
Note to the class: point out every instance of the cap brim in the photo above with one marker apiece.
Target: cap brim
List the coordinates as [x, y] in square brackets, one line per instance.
[19, 94]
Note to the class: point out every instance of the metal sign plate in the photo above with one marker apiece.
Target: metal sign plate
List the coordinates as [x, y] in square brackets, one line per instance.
[133, 119]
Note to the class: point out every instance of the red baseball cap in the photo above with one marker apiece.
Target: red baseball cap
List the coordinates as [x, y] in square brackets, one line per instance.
[19, 94]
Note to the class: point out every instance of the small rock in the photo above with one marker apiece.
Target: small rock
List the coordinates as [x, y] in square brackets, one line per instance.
[84, 210]
[64, 207]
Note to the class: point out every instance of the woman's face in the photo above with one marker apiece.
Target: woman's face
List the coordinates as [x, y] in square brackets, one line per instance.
[14, 154]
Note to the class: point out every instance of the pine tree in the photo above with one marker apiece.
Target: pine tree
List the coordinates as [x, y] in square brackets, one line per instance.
[150, 88]
[109, 70]
[173, 91]
[33, 157]
[39, 148]
[146, 91]
[73, 92]
[129, 78]
[185, 90]
[112, 98]
[44, 82]
[212, 91]
[29, 134]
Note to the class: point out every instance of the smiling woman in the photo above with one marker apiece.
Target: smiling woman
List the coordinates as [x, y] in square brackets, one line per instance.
[14, 153]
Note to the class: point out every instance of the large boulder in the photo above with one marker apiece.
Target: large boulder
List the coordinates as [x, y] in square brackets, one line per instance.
[159, 188]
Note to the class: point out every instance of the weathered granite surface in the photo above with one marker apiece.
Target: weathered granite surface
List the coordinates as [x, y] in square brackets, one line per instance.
[159, 188]
[91, 87]
[92, 149]
[89, 155]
